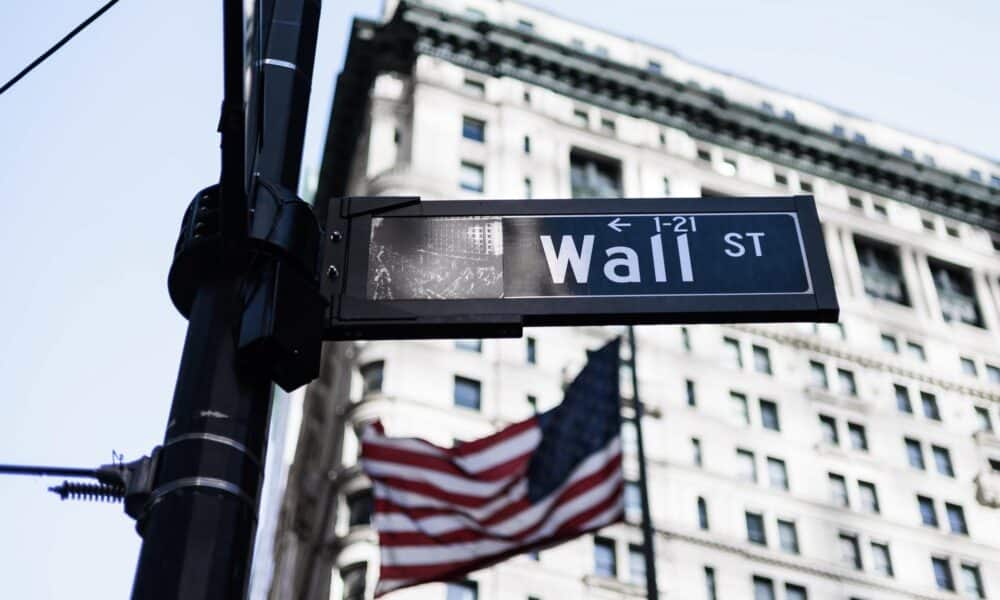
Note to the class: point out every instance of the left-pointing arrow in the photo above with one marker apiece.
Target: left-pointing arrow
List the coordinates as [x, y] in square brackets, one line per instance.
[617, 225]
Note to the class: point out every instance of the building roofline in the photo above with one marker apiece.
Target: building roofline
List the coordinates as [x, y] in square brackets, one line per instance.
[502, 51]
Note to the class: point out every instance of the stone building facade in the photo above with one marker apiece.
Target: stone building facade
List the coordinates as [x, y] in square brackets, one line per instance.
[850, 461]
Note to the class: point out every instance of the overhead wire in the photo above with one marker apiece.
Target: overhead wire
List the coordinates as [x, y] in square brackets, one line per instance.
[57, 46]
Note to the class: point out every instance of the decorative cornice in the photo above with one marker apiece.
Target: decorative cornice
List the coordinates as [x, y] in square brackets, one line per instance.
[501, 51]
[844, 352]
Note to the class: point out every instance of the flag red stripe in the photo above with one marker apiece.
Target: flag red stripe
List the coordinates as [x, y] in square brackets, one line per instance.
[414, 538]
[473, 446]
[375, 451]
[433, 491]
[383, 505]
[444, 571]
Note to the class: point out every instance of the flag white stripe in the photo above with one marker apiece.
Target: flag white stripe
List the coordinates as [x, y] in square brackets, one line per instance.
[402, 556]
[440, 524]
[446, 482]
[476, 462]
[605, 517]
[408, 499]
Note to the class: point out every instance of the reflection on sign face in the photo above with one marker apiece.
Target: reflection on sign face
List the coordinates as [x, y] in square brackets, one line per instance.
[412, 258]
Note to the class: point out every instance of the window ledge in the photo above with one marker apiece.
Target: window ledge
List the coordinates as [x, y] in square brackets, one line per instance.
[615, 585]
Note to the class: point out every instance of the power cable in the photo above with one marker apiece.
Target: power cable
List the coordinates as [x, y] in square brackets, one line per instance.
[57, 46]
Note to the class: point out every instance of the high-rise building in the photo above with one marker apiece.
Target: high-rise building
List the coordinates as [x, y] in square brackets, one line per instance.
[857, 460]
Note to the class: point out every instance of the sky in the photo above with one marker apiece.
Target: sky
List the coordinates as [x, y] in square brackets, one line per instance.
[103, 146]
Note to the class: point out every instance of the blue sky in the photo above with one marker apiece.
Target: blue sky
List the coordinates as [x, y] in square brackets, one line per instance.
[102, 147]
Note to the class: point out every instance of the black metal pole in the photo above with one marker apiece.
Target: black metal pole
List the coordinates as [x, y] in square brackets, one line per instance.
[199, 523]
[648, 550]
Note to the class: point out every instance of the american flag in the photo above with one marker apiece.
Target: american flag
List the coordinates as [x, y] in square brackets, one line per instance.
[443, 512]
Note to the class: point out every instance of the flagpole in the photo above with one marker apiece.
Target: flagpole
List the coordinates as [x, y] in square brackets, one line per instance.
[648, 552]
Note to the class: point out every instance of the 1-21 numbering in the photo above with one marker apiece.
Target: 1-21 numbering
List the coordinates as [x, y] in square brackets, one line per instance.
[676, 224]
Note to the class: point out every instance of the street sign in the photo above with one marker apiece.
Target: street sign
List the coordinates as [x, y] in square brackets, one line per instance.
[401, 268]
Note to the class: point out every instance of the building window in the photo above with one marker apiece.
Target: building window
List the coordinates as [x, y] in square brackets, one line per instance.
[592, 176]
[859, 138]
[788, 116]
[839, 131]
[942, 460]
[731, 356]
[956, 518]
[849, 552]
[689, 391]
[467, 392]
[767, 107]
[636, 566]
[359, 508]
[795, 592]
[710, 592]
[533, 403]
[527, 144]
[880, 210]
[702, 514]
[696, 452]
[868, 496]
[916, 351]
[371, 377]
[729, 167]
[881, 271]
[633, 502]
[817, 375]
[769, 415]
[928, 224]
[473, 129]
[604, 558]
[845, 383]
[746, 467]
[475, 14]
[763, 588]
[972, 582]
[353, 577]
[469, 345]
[856, 202]
[704, 155]
[581, 118]
[666, 186]
[968, 366]
[806, 186]
[975, 175]
[956, 293]
[928, 516]
[930, 406]
[777, 474]
[788, 536]
[529, 191]
[881, 560]
[531, 346]
[471, 177]
[654, 67]
[993, 374]
[859, 439]
[601, 51]
[608, 125]
[741, 411]
[577, 44]
[761, 360]
[951, 230]
[526, 96]
[474, 87]
[889, 344]
[942, 573]
[462, 590]
[908, 153]
[914, 454]
[983, 421]
[755, 528]
[838, 490]
[828, 429]
[525, 25]
[903, 399]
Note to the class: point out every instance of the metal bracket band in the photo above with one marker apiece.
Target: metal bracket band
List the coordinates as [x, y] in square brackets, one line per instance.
[201, 482]
[219, 439]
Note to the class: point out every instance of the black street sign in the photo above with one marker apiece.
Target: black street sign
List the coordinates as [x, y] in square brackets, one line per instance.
[401, 268]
